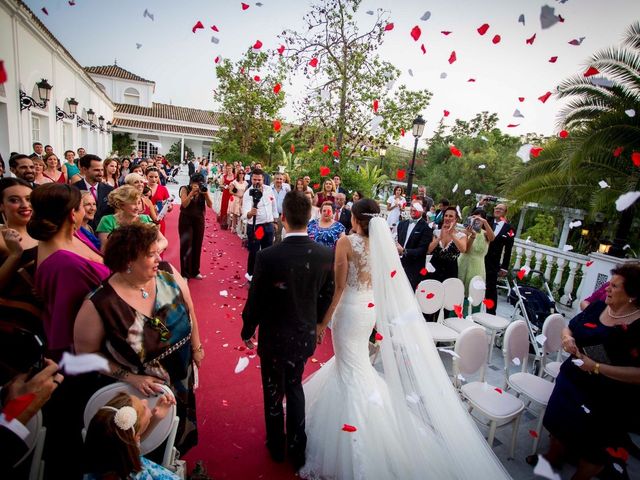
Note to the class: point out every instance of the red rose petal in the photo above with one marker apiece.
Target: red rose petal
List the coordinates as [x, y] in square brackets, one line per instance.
[257, 45]
[423, 48]
[281, 49]
[445, 32]
[489, 303]
[276, 88]
[316, 186]
[553, 59]
[430, 295]
[313, 62]
[591, 71]
[618, 151]
[393, 274]
[499, 390]
[563, 134]
[531, 39]
[496, 39]
[458, 310]
[16, 406]
[446, 113]
[455, 152]
[197, 26]
[423, 271]
[521, 99]
[256, 78]
[216, 60]
[521, 273]
[619, 452]
[415, 33]
[533, 433]
[388, 27]
[277, 125]
[483, 28]
[635, 158]
[370, 305]
[471, 80]
[535, 151]
[325, 149]
[348, 428]
[379, 336]
[401, 174]
[513, 125]
[244, 6]
[402, 132]
[590, 325]
[544, 97]
[259, 233]
[589, 263]
[292, 148]
[336, 153]
[452, 57]
[375, 106]
[324, 171]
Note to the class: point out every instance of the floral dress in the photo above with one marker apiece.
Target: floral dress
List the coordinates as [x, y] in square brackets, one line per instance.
[150, 471]
[326, 236]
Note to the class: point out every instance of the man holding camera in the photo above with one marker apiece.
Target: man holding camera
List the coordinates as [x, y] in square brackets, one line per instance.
[260, 208]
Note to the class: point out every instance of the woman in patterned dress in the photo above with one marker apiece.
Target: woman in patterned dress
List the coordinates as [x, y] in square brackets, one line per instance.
[326, 230]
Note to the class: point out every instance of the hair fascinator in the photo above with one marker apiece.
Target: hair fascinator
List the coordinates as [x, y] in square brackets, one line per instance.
[125, 417]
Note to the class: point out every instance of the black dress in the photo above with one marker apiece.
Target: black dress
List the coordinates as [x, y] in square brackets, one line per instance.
[590, 413]
[445, 262]
[191, 230]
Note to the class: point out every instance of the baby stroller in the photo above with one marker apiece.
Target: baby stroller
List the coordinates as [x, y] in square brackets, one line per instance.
[172, 176]
[533, 305]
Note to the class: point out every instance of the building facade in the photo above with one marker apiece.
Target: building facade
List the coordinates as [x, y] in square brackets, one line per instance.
[31, 54]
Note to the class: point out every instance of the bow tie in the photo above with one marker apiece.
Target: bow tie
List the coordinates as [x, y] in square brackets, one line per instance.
[414, 220]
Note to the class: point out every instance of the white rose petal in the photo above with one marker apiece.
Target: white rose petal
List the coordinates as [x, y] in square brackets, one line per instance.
[243, 362]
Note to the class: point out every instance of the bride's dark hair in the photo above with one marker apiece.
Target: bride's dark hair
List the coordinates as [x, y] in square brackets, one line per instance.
[364, 210]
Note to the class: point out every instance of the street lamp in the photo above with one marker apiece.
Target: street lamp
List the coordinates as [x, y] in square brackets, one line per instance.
[271, 140]
[418, 128]
[382, 151]
[73, 108]
[44, 92]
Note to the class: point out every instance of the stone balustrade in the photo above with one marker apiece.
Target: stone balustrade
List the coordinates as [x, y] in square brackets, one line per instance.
[560, 268]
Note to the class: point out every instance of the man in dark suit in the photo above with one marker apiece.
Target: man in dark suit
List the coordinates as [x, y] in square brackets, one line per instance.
[22, 167]
[496, 262]
[191, 166]
[342, 215]
[91, 170]
[414, 237]
[291, 291]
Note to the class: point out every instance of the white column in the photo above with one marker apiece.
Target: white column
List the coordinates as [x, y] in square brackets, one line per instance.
[565, 231]
[516, 265]
[558, 278]
[523, 213]
[547, 270]
[567, 296]
[181, 150]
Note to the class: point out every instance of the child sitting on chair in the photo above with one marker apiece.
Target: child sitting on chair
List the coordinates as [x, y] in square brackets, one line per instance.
[112, 445]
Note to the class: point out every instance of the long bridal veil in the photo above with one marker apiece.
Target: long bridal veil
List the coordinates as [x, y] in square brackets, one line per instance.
[427, 405]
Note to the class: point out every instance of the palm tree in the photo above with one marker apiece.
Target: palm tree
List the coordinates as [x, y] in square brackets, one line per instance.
[602, 115]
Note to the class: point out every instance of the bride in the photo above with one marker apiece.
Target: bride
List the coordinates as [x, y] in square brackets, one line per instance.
[407, 423]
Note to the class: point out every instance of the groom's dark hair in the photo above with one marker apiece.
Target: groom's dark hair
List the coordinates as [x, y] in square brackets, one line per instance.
[296, 209]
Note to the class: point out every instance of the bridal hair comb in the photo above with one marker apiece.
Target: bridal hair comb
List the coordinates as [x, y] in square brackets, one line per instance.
[125, 417]
[381, 215]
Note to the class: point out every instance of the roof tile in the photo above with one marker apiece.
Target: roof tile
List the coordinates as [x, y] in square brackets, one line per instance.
[170, 112]
[163, 127]
[117, 72]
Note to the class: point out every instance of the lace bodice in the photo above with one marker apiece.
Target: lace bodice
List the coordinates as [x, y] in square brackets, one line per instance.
[359, 273]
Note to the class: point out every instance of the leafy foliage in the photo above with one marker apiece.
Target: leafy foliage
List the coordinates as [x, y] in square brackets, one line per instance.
[543, 230]
[349, 78]
[122, 144]
[173, 156]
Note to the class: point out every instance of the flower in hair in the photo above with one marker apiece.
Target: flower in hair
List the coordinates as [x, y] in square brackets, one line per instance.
[125, 418]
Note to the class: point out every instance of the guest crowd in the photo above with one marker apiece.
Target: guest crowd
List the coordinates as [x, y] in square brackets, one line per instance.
[82, 271]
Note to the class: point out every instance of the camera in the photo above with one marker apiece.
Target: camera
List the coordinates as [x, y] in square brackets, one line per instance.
[21, 351]
[491, 198]
[256, 195]
[475, 224]
[203, 188]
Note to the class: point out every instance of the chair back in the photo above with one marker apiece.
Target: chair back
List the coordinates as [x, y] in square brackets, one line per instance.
[477, 294]
[516, 345]
[156, 437]
[435, 291]
[35, 446]
[473, 349]
[453, 293]
[552, 329]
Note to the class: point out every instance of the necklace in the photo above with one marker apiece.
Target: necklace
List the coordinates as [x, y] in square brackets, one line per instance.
[621, 316]
[143, 291]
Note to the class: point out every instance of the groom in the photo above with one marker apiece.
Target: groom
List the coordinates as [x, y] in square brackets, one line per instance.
[291, 290]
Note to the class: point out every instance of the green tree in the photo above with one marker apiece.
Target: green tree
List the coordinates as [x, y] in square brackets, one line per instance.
[350, 76]
[248, 103]
[543, 230]
[122, 144]
[173, 156]
[600, 117]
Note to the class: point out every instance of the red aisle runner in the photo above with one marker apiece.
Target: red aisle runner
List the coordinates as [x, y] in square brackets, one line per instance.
[229, 405]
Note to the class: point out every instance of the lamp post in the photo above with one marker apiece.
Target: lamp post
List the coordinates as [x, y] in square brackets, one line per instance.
[271, 140]
[101, 123]
[383, 152]
[44, 92]
[418, 128]
[73, 109]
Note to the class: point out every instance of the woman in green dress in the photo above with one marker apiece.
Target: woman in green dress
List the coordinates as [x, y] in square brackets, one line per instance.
[479, 235]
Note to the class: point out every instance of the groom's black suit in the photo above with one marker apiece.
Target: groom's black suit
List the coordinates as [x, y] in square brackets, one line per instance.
[291, 290]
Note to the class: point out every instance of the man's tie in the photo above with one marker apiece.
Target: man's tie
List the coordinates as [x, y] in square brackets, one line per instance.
[92, 189]
[337, 216]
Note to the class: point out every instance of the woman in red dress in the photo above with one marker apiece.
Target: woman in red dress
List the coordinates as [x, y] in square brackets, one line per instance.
[51, 171]
[226, 194]
[159, 193]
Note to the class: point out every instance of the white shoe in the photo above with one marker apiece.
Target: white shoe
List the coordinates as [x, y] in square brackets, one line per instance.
[248, 277]
[198, 277]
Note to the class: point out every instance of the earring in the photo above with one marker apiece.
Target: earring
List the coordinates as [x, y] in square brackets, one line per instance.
[128, 268]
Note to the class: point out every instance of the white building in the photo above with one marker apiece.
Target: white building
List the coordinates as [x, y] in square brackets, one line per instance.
[154, 126]
[30, 54]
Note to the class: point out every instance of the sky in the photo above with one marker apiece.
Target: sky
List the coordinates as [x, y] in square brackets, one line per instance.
[98, 32]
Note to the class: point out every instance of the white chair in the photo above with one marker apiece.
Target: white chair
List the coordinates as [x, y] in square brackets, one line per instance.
[454, 295]
[552, 330]
[35, 447]
[536, 389]
[493, 323]
[501, 408]
[165, 430]
[429, 306]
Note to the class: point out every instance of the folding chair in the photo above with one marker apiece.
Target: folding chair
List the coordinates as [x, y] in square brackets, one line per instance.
[430, 297]
[35, 447]
[536, 389]
[454, 295]
[493, 323]
[165, 430]
[501, 408]
[552, 330]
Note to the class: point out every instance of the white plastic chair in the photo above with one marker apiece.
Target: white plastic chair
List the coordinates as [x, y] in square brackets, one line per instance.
[552, 330]
[501, 408]
[429, 306]
[35, 447]
[165, 430]
[493, 323]
[454, 295]
[536, 389]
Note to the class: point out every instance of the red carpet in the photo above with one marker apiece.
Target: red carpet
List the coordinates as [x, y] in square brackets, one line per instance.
[229, 405]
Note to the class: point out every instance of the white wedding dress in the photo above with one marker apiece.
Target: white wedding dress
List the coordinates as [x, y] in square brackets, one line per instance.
[409, 422]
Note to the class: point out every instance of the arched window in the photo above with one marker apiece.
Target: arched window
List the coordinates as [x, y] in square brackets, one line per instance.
[132, 96]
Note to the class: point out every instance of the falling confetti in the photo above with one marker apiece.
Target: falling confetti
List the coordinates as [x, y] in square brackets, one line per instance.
[243, 362]
[577, 41]
[148, 14]
[197, 26]
[415, 33]
[426, 16]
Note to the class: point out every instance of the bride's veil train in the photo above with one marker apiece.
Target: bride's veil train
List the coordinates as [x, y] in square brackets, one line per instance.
[427, 406]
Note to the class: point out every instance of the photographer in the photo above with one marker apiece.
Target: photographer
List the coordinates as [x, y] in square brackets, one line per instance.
[260, 209]
[193, 198]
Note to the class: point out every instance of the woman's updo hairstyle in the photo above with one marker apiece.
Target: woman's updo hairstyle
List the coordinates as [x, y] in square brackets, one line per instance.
[364, 210]
[119, 197]
[51, 203]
